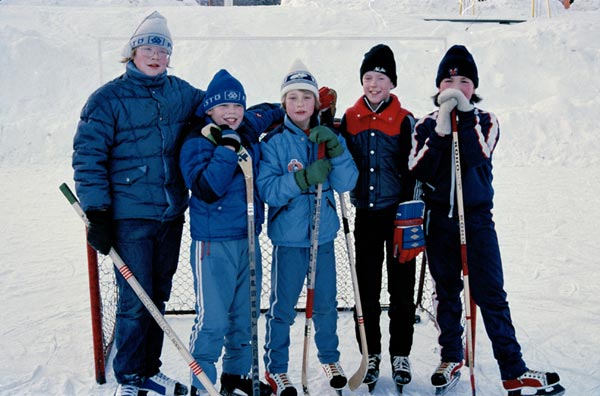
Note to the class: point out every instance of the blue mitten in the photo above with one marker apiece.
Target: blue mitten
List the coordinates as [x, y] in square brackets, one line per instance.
[409, 238]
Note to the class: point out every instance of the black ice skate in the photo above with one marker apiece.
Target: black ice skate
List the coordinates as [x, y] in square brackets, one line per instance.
[543, 383]
[239, 385]
[335, 375]
[401, 371]
[163, 385]
[281, 384]
[446, 377]
[372, 372]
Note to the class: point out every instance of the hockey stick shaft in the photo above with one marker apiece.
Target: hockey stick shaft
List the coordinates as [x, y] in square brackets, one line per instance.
[357, 378]
[146, 300]
[312, 274]
[463, 250]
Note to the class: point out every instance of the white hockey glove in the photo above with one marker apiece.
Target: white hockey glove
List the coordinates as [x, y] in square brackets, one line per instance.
[444, 123]
[461, 99]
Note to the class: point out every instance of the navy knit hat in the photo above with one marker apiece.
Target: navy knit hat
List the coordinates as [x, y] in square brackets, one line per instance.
[380, 59]
[223, 88]
[458, 61]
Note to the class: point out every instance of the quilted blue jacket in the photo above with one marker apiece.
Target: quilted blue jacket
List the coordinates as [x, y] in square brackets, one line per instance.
[126, 146]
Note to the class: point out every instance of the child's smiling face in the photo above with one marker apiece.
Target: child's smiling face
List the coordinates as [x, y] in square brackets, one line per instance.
[230, 114]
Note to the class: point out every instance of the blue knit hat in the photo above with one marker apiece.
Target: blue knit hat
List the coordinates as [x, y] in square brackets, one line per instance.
[458, 61]
[223, 88]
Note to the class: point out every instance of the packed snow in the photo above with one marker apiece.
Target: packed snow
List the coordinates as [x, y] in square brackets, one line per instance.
[538, 76]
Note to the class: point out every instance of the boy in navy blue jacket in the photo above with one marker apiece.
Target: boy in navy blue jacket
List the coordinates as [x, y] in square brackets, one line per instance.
[431, 161]
[218, 219]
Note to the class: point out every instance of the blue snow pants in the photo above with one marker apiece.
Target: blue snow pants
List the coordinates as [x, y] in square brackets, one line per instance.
[288, 272]
[486, 282]
[150, 249]
[222, 288]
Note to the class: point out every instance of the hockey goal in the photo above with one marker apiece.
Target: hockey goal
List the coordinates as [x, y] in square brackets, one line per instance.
[103, 289]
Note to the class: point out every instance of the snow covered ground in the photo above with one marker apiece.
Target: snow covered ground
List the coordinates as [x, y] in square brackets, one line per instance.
[539, 77]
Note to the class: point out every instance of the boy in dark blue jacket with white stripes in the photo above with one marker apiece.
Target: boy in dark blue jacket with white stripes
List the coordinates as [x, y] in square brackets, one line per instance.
[432, 162]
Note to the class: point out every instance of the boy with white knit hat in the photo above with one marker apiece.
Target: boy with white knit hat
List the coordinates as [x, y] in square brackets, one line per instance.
[290, 170]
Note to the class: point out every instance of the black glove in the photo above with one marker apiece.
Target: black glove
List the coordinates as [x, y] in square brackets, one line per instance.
[229, 137]
[315, 173]
[99, 234]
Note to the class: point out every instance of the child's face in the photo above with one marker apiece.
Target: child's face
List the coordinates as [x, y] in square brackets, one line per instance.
[300, 106]
[151, 60]
[463, 84]
[376, 86]
[230, 114]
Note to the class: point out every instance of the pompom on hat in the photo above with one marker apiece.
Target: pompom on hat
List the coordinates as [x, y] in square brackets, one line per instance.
[380, 59]
[299, 78]
[222, 89]
[152, 31]
[458, 61]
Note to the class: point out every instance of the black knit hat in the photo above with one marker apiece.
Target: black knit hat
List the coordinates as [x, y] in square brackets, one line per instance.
[458, 61]
[380, 59]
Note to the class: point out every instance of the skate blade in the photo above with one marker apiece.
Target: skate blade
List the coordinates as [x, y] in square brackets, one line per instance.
[554, 390]
[400, 389]
[442, 390]
[371, 386]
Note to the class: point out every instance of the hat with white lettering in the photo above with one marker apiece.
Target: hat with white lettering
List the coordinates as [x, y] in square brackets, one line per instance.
[380, 59]
[223, 89]
[152, 31]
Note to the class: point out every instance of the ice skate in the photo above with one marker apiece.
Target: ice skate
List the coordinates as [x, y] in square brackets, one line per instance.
[281, 384]
[126, 390]
[335, 375]
[372, 372]
[401, 371]
[163, 385]
[446, 377]
[240, 385]
[543, 383]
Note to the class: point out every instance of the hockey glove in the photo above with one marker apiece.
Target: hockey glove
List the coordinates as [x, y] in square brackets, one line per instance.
[99, 232]
[229, 137]
[315, 173]
[327, 99]
[321, 134]
[463, 103]
[443, 122]
[409, 239]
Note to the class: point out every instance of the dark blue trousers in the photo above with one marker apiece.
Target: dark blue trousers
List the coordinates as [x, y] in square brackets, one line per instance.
[486, 284]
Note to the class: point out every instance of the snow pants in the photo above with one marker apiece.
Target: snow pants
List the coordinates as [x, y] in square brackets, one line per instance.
[150, 249]
[222, 288]
[486, 282]
[288, 272]
[374, 235]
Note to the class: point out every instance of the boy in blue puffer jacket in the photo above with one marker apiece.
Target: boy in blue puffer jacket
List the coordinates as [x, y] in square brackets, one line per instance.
[130, 187]
[218, 217]
[287, 181]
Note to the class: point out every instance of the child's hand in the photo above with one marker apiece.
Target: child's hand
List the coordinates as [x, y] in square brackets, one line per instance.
[321, 134]
[443, 125]
[315, 173]
[461, 99]
[230, 138]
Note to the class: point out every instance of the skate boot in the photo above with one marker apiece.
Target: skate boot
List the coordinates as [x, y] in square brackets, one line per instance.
[230, 383]
[372, 371]
[281, 384]
[335, 375]
[446, 376]
[163, 385]
[401, 371]
[544, 384]
[126, 390]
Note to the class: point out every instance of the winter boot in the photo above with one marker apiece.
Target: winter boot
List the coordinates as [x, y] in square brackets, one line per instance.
[163, 385]
[126, 390]
[232, 382]
[335, 375]
[401, 370]
[445, 372]
[544, 383]
[281, 384]
[372, 371]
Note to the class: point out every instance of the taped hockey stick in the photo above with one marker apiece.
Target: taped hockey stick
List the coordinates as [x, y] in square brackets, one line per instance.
[310, 283]
[357, 378]
[463, 254]
[245, 164]
[145, 299]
